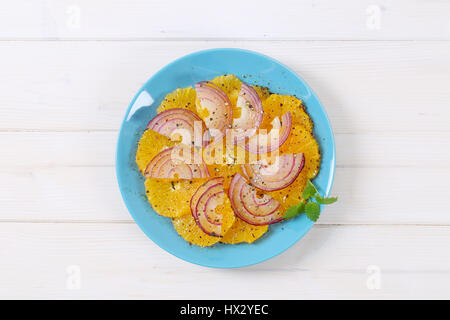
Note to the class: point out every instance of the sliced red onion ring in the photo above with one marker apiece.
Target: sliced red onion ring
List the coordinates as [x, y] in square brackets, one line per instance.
[251, 114]
[203, 204]
[265, 143]
[182, 122]
[277, 175]
[177, 162]
[249, 207]
[213, 99]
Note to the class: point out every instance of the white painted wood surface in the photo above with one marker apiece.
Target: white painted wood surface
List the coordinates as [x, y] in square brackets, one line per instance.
[68, 70]
[233, 19]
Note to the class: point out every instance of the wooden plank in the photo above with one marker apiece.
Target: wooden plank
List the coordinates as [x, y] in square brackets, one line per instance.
[31, 149]
[288, 19]
[364, 86]
[381, 178]
[61, 194]
[389, 196]
[366, 196]
[403, 149]
[118, 261]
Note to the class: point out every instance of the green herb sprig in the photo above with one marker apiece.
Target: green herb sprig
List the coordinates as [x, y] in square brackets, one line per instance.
[308, 206]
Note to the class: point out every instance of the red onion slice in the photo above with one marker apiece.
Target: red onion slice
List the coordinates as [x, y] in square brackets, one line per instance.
[177, 162]
[249, 207]
[275, 176]
[203, 204]
[216, 102]
[251, 114]
[265, 143]
[180, 121]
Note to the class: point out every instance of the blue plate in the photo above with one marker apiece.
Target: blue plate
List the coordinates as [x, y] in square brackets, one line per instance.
[253, 68]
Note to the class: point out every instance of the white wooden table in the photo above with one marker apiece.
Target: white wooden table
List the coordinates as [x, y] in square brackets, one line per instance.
[68, 70]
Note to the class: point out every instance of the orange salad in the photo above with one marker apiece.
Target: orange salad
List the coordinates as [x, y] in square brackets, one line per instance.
[225, 160]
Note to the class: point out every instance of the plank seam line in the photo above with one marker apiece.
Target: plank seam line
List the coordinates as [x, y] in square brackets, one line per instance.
[58, 221]
[12, 167]
[350, 133]
[206, 39]
[32, 130]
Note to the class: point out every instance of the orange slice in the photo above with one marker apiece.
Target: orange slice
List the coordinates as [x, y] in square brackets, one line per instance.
[188, 229]
[241, 231]
[292, 194]
[171, 198]
[229, 84]
[276, 105]
[180, 98]
[301, 140]
[150, 144]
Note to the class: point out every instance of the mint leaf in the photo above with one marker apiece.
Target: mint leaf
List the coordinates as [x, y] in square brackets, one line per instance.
[310, 191]
[294, 210]
[307, 205]
[321, 200]
[312, 210]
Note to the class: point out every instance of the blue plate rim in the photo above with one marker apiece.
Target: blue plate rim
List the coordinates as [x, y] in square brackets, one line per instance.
[121, 183]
